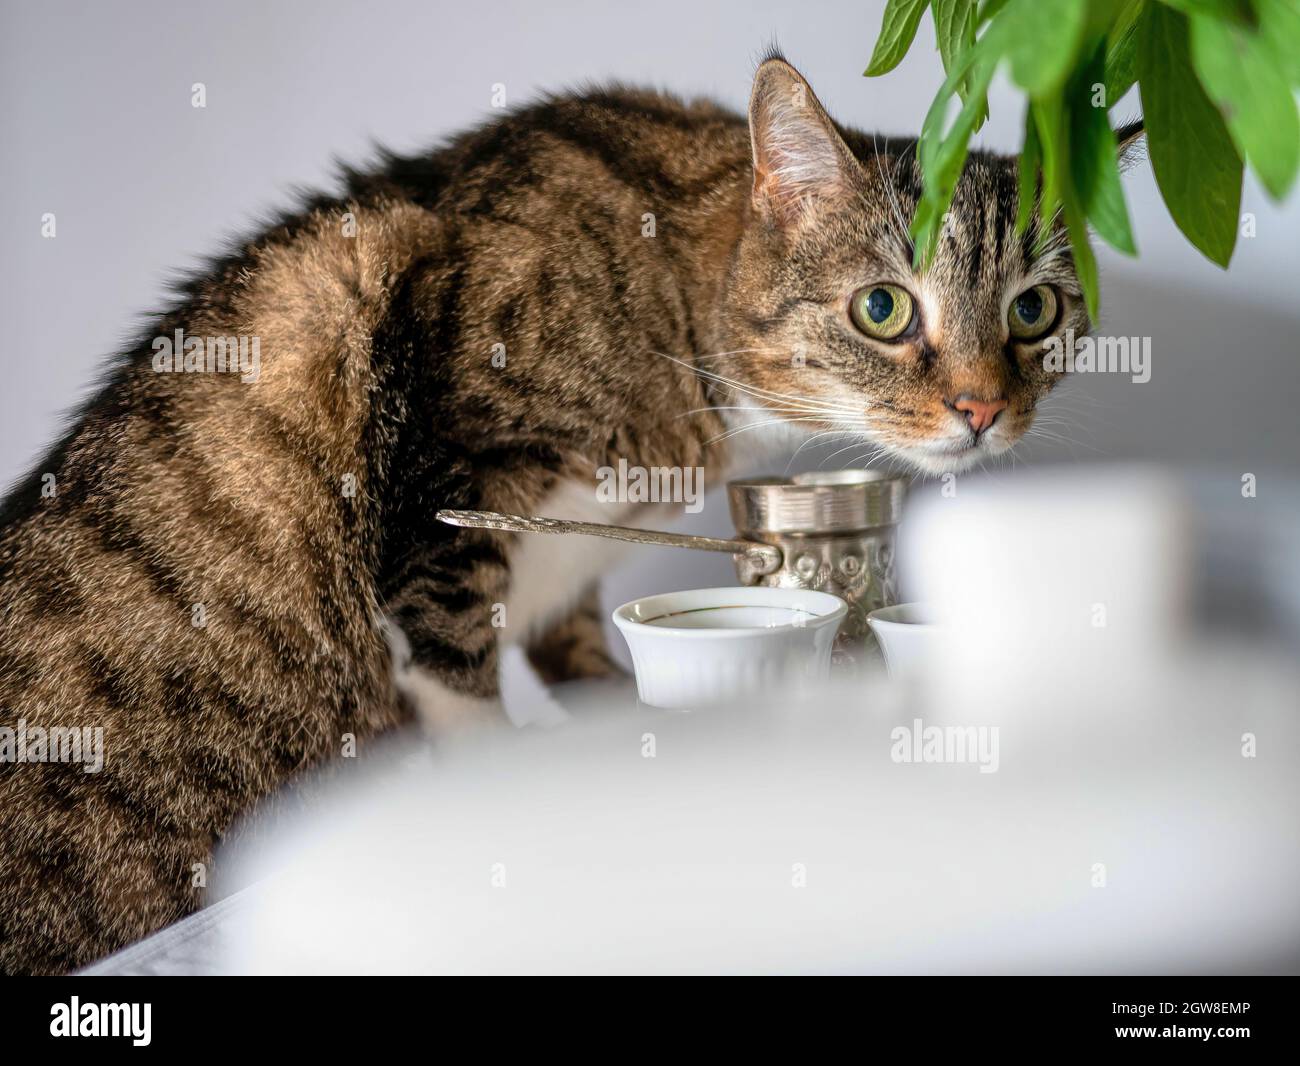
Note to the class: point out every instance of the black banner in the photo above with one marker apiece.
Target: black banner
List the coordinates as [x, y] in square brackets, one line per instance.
[1219, 1016]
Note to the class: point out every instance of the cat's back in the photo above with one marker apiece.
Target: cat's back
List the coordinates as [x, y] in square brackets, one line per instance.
[580, 145]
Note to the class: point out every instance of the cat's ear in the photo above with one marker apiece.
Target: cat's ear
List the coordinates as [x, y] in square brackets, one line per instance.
[1132, 143]
[800, 162]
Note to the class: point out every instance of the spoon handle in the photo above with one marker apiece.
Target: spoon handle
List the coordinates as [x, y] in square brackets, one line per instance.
[766, 557]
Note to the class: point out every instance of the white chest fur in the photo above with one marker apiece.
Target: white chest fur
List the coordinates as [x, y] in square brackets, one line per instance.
[548, 572]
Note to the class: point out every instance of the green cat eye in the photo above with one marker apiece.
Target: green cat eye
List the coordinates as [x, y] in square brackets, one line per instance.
[1032, 313]
[882, 311]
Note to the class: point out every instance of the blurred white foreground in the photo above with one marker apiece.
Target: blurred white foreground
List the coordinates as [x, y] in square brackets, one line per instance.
[1142, 816]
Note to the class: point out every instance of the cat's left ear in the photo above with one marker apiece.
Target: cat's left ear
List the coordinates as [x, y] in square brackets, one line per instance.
[800, 162]
[1132, 143]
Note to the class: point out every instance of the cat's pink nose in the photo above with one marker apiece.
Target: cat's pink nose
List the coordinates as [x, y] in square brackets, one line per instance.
[980, 414]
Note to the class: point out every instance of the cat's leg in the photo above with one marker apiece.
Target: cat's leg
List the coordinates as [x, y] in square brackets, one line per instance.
[444, 644]
[574, 647]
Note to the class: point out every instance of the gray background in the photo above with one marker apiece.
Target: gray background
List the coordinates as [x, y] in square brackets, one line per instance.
[97, 127]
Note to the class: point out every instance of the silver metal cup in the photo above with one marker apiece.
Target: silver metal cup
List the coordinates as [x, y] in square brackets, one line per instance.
[836, 534]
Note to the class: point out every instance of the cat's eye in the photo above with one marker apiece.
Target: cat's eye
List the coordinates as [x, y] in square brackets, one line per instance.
[1032, 313]
[882, 311]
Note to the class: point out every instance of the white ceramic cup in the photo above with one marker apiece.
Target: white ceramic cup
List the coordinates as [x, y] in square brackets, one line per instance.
[707, 646]
[908, 634]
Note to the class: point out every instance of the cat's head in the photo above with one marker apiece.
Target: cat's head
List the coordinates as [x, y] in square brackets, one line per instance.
[831, 328]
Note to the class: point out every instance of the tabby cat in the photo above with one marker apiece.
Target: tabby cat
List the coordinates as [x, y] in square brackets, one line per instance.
[235, 575]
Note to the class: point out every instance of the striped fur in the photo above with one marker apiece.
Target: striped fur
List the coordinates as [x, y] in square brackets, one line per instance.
[297, 510]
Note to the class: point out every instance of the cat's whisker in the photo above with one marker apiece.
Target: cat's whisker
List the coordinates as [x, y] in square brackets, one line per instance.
[892, 193]
[1058, 438]
[813, 441]
[807, 402]
[756, 391]
[714, 356]
[836, 433]
[853, 444]
[764, 408]
[795, 407]
[878, 452]
[760, 393]
[1094, 418]
[882, 451]
[756, 425]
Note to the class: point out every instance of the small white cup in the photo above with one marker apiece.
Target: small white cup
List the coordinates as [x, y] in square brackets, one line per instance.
[707, 646]
[908, 635]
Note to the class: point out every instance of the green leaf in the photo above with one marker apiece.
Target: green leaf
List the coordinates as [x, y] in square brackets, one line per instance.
[987, 10]
[1031, 158]
[987, 52]
[1121, 68]
[1121, 53]
[1085, 263]
[897, 31]
[1223, 9]
[943, 155]
[1094, 160]
[1101, 15]
[1196, 166]
[954, 33]
[932, 129]
[1279, 26]
[1239, 73]
[942, 168]
[950, 24]
[1046, 41]
[1053, 121]
[1049, 116]
[925, 231]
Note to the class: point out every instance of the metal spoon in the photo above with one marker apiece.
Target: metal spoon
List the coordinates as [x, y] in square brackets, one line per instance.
[761, 558]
